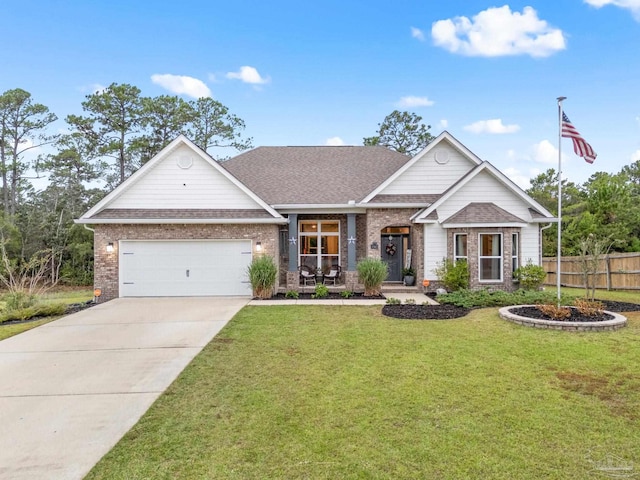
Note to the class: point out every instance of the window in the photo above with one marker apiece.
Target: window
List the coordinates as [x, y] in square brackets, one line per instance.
[490, 257]
[319, 243]
[459, 247]
[515, 252]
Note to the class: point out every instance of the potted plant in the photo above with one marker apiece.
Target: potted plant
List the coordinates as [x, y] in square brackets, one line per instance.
[409, 275]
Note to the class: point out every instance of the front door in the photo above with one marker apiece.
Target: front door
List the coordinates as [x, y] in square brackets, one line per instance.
[392, 254]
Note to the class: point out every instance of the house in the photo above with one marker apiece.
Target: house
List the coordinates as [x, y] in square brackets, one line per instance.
[186, 225]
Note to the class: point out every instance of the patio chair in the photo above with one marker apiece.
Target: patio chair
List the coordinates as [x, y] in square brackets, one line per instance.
[333, 275]
[307, 277]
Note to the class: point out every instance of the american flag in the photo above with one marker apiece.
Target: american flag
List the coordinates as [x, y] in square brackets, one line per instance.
[580, 146]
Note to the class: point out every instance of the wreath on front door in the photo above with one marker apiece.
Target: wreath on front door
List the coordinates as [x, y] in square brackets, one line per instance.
[391, 249]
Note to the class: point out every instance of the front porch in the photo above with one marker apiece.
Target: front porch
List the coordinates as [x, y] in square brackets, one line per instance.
[323, 242]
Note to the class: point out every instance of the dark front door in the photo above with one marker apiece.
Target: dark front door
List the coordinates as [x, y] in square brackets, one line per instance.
[392, 254]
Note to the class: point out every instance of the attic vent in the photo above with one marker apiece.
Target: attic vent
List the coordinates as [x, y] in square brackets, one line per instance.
[441, 156]
[184, 161]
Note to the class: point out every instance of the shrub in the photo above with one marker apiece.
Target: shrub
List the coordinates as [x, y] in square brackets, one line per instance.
[588, 307]
[18, 299]
[454, 276]
[321, 291]
[393, 301]
[262, 276]
[410, 301]
[39, 310]
[346, 294]
[292, 294]
[496, 298]
[554, 311]
[530, 276]
[372, 272]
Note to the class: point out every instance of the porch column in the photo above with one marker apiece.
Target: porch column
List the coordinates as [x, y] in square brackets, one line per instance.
[351, 242]
[293, 242]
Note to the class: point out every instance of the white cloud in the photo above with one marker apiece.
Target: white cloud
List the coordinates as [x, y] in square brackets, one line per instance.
[417, 33]
[494, 126]
[443, 124]
[181, 84]
[545, 152]
[334, 142]
[635, 156]
[631, 5]
[413, 102]
[498, 32]
[248, 75]
[519, 178]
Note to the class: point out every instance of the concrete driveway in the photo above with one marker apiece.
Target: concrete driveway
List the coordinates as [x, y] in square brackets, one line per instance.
[70, 389]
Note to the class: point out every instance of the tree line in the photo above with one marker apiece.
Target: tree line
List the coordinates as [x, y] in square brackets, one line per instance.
[120, 130]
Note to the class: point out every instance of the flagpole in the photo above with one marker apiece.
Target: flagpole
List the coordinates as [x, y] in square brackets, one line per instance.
[559, 251]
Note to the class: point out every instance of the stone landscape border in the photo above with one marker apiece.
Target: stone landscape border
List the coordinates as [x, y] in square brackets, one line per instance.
[618, 321]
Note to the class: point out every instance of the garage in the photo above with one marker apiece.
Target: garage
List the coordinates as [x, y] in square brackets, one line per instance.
[183, 268]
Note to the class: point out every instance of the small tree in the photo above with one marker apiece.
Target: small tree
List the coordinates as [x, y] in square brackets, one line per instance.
[372, 272]
[263, 272]
[592, 249]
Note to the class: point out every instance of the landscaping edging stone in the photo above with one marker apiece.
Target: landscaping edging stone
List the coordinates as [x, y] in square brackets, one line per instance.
[618, 321]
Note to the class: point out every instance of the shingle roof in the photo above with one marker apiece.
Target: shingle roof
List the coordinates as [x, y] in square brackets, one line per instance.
[185, 213]
[483, 213]
[314, 175]
[426, 199]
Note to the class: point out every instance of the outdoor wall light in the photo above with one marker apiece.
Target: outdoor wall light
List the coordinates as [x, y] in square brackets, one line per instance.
[258, 246]
[110, 247]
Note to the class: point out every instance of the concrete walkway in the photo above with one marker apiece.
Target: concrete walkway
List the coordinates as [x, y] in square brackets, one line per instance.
[70, 389]
[419, 298]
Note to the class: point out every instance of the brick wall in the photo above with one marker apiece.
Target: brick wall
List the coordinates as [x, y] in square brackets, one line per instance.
[379, 218]
[106, 264]
[472, 255]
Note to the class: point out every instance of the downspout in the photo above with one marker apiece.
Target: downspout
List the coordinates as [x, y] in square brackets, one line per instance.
[90, 229]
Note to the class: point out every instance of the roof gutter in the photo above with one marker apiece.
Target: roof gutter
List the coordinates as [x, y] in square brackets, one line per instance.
[182, 221]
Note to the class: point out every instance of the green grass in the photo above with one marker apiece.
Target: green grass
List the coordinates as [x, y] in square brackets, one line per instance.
[327, 392]
[66, 296]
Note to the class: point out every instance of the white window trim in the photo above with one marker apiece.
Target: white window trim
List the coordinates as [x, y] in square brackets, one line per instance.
[500, 257]
[457, 257]
[515, 259]
[319, 234]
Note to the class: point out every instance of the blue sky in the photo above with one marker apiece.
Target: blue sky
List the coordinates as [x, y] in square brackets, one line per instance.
[316, 73]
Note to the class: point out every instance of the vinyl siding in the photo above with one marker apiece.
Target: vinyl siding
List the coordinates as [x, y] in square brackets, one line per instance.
[529, 237]
[427, 176]
[435, 248]
[167, 185]
[484, 187]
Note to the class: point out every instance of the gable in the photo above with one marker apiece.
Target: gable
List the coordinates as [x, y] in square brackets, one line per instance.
[432, 171]
[183, 180]
[432, 174]
[485, 188]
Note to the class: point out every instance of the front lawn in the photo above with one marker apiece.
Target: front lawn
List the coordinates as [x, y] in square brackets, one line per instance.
[328, 392]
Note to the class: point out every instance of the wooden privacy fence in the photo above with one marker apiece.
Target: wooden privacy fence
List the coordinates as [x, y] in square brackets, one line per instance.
[616, 271]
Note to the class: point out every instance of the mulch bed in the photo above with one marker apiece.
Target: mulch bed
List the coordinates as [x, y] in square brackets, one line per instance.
[446, 311]
[576, 316]
[424, 312]
[331, 296]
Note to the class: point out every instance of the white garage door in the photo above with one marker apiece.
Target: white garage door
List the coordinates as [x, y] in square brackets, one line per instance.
[180, 268]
